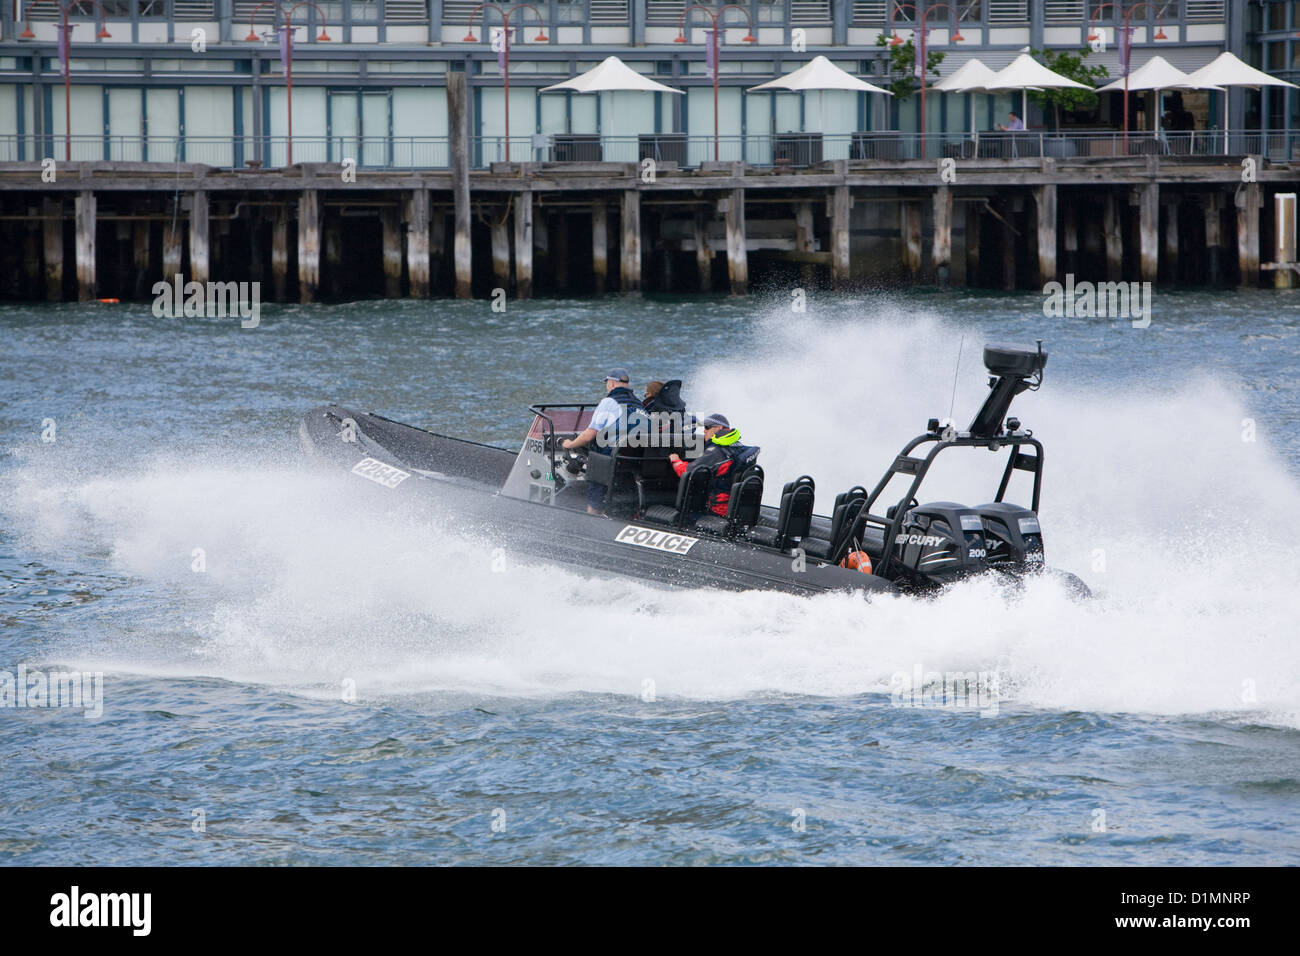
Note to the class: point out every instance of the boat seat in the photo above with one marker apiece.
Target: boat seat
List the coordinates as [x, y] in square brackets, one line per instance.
[793, 519]
[619, 472]
[848, 505]
[693, 490]
[744, 503]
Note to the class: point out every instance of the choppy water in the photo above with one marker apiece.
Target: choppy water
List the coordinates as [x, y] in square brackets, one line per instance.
[1169, 706]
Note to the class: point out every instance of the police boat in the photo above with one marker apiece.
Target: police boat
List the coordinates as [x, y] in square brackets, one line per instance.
[658, 527]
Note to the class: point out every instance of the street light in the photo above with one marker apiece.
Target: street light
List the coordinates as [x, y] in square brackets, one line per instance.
[506, 13]
[286, 50]
[925, 31]
[65, 54]
[1128, 48]
[716, 16]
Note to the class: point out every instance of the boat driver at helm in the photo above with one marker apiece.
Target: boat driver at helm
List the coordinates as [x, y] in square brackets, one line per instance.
[619, 406]
[723, 451]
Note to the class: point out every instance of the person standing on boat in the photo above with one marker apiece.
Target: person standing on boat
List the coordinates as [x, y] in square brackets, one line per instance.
[724, 454]
[617, 412]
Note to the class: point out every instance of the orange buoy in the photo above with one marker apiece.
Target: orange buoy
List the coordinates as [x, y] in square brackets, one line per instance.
[110, 301]
[857, 561]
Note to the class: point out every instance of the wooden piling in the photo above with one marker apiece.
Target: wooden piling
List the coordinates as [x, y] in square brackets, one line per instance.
[32, 256]
[1213, 209]
[1169, 254]
[279, 253]
[1045, 216]
[600, 245]
[841, 240]
[308, 245]
[437, 247]
[703, 254]
[458, 128]
[1009, 237]
[1284, 240]
[910, 232]
[941, 246]
[200, 263]
[1249, 199]
[1149, 231]
[737, 242]
[1110, 228]
[1069, 236]
[630, 245]
[85, 213]
[524, 245]
[805, 239]
[390, 223]
[52, 229]
[417, 243]
[974, 217]
[140, 257]
[173, 248]
[500, 233]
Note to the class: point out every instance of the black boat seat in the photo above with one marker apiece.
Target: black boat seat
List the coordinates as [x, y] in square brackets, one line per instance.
[847, 506]
[793, 519]
[620, 472]
[693, 490]
[744, 504]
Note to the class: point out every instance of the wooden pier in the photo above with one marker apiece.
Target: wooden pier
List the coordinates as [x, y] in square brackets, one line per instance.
[545, 228]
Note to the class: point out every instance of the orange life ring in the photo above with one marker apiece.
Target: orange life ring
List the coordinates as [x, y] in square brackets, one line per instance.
[857, 561]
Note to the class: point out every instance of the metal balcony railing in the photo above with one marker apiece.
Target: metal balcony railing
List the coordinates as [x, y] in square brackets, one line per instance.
[668, 150]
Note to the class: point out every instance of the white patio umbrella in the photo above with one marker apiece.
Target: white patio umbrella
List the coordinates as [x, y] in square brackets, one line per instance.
[610, 76]
[1224, 71]
[971, 77]
[1024, 73]
[819, 74]
[1155, 74]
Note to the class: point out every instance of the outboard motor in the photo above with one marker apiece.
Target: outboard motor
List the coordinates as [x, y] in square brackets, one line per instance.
[940, 542]
[1012, 535]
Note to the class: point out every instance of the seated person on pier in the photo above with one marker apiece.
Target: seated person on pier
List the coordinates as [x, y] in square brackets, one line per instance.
[609, 422]
[1014, 124]
[724, 454]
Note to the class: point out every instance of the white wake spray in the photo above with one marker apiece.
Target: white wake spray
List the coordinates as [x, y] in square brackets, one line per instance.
[1188, 539]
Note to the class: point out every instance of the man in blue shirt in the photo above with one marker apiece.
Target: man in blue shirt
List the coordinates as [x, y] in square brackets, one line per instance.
[609, 422]
[1014, 124]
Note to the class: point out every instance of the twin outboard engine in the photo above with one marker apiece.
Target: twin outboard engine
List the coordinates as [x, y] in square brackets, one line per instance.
[1013, 540]
[942, 541]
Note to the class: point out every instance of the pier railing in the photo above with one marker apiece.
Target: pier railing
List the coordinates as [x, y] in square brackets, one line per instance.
[667, 150]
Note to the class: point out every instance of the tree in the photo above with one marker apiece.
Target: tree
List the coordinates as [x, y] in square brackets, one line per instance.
[1069, 65]
[902, 67]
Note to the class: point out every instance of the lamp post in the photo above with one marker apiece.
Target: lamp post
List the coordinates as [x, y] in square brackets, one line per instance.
[286, 51]
[65, 55]
[924, 31]
[1128, 45]
[718, 17]
[506, 13]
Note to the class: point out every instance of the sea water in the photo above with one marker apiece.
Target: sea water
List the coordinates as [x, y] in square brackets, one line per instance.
[292, 673]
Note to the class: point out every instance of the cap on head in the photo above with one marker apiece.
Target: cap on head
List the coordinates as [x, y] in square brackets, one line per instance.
[716, 420]
[618, 375]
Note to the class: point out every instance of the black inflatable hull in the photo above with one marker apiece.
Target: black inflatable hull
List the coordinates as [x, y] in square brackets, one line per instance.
[404, 463]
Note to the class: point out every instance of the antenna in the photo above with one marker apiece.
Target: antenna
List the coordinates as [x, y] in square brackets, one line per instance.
[952, 404]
